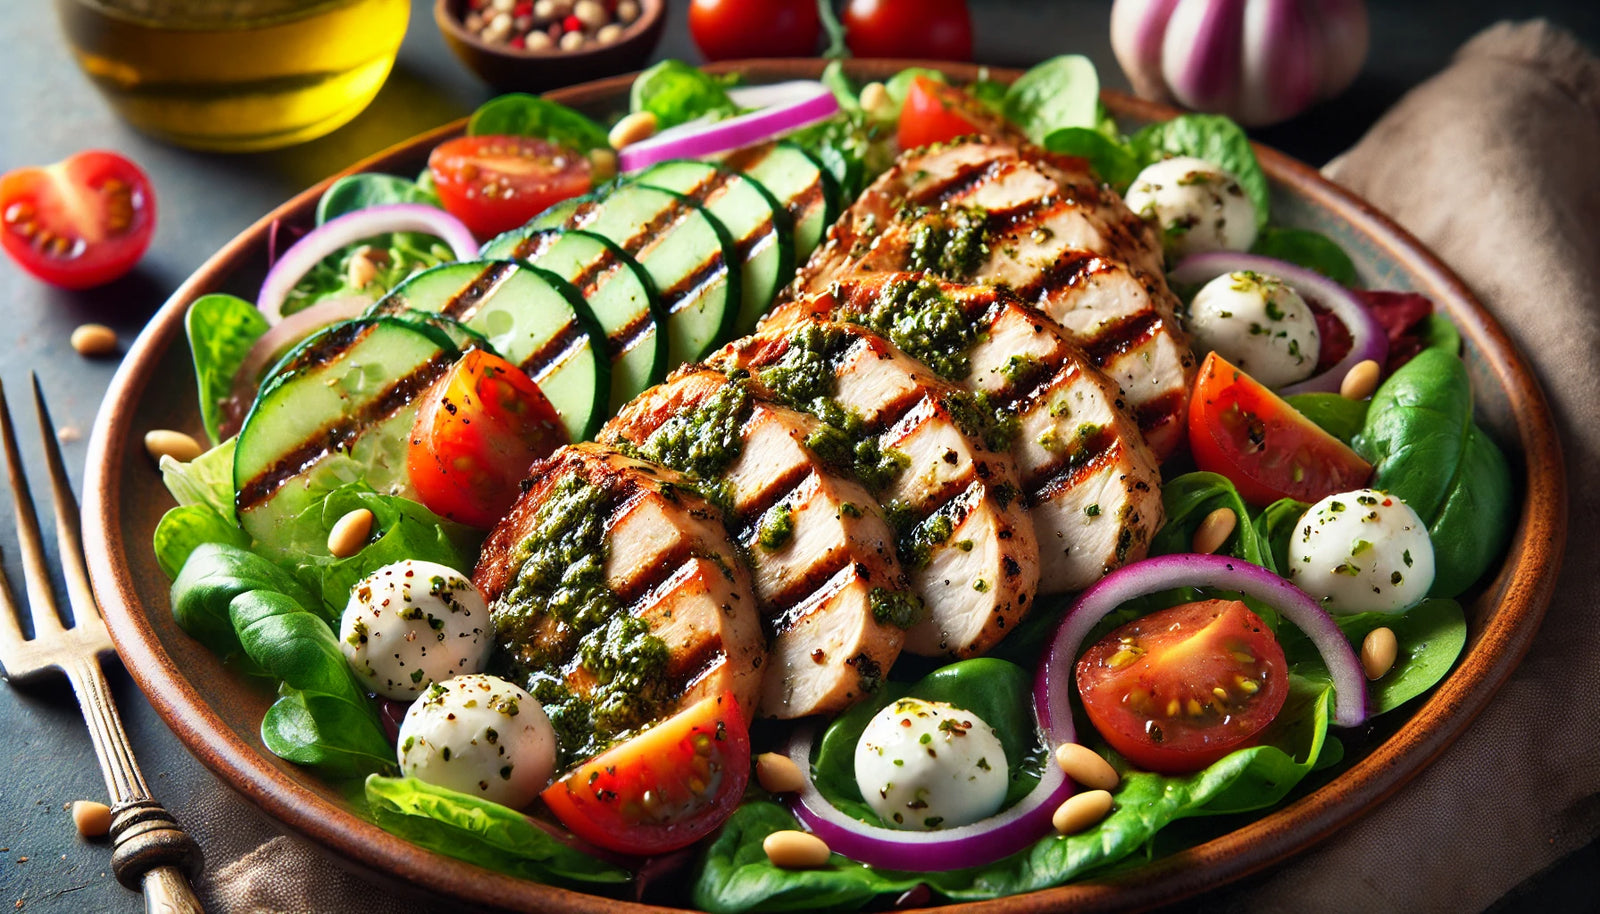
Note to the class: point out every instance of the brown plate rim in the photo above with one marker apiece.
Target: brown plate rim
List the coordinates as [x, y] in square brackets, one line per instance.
[1523, 587]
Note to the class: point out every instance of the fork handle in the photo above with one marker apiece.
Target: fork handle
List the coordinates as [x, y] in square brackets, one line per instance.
[151, 851]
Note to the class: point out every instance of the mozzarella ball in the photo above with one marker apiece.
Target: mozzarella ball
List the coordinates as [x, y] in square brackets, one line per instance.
[1362, 551]
[924, 765]
[1197, 206]
[411, 624]
[479, 735]
[1259, 324]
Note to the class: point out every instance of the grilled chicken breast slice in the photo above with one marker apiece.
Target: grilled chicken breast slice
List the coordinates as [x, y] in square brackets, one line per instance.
[1091, 484]
[1012, 215]
[666, 560]
[821, 553]
[963, 534]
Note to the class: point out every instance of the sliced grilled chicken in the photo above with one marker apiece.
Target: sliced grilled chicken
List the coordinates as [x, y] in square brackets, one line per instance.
[1092, 486]
[1012, 215]
[666, 559]
[823, 558]
[963, 533]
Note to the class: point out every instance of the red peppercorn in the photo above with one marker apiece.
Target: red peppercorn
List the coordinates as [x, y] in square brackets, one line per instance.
[572, 24]
[525, 8]
[519, 42]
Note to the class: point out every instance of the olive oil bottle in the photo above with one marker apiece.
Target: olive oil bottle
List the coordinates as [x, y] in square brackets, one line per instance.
[236, 75]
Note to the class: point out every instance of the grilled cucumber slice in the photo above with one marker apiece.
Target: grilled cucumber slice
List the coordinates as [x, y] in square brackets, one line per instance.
[618, 291]
[338, 409]
[762, 232]
[687, 252]
[534, 319]
[806, 190]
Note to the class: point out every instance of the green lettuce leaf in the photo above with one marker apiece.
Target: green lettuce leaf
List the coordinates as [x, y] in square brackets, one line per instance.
[677, 92]
[478, 831]
[1431, 636]
[221, 330]
[1059, 93]
[1312, 250]
[520, 114]
[1112, 160]
[1339, 416]
[186, 528]
[206, 480]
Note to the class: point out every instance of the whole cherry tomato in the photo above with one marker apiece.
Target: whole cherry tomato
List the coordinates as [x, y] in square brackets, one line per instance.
[923, 29]
[726, 29]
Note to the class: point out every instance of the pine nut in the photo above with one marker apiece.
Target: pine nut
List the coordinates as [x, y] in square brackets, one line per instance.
[350, 533]
[1360, 381]
[362, 268]
[795, 850]
[539, 41]
[608, 34]
[590, 13]
[777, 773]
[94, 340]
[875, 98]
[92, 819]
[640, 125]
[1085, 766]
[164, 442]
[1378, 651]
[1214, 530]
[571, 41]
[627, 10]
[1081, 811]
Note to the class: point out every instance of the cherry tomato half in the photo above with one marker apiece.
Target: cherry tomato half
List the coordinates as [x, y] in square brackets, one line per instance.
[479, 429]
[725, 29]
[1180, 688]
[937, 113]
[81, 222]
[922, 29]
[664, 789]
[496, 183]
[1244, 431]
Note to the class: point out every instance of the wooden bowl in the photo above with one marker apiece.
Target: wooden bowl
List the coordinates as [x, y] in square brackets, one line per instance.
[217, 712]
[511, 70]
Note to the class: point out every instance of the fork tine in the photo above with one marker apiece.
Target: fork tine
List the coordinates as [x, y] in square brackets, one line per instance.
[69, 532]
[41, 602]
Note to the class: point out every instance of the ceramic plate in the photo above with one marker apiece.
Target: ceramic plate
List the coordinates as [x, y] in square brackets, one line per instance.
[217, 712]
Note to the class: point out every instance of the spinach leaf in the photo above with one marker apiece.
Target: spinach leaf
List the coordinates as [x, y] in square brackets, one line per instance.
[735, 874]
[1215, 139]
[369, 188]
[206, 480]
[1112, 160]
[1275, 528]
[185, 528]
[403, 529]
[1312, 250]
[475, 830]
[208, 581]
[1425, 449]
[1431, 636]
[322, 717]
[1339, 416]
[677, 92]
[520, 114]
[899, 85]
[221, 330]
[1061, 92]
[1439, 333]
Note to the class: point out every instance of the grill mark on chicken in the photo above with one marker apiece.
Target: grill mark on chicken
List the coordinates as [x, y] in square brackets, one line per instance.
[966, 178]
[1071, 472]
[794, 480]
[781, 623]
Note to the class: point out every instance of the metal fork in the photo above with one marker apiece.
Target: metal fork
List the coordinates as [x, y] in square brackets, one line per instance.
[149, 849]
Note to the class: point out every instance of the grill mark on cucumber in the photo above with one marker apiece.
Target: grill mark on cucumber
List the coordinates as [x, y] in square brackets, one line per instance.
[341, 434]
[461, 305]
[687, 289]
[749, 159]
[542, 360]
[327, 347]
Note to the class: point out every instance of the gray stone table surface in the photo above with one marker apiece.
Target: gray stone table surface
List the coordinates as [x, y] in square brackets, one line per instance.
[48, 110]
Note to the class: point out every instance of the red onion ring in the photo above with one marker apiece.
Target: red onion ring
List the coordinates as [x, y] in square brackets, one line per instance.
[781, 108]
[1166, 572]
[340, 233]
[1368, 340]
[979, 843]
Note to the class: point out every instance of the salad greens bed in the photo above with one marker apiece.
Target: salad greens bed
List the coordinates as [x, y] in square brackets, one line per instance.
[273, 611]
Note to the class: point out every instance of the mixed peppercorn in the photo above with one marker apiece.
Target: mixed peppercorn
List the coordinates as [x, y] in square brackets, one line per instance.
[541, 25]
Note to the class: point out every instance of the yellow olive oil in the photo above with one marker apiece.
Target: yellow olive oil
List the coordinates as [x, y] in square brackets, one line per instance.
[236, 75]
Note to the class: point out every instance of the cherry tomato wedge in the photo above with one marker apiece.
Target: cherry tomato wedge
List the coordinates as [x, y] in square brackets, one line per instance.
[479, 429]
[661, 790]
[1180, 688]
[922, 29]
[81, 222]
[496, 183]
[1242, 430]
[936, 113]
[726, 29]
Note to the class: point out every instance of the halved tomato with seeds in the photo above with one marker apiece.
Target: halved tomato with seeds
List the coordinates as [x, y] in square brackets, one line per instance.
[1177, 689]
[664, 789]
[80, 222]
[496, 183]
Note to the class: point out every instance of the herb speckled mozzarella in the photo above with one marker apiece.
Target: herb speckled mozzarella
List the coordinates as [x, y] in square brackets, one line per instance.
[1362, 551]
[1196, 206]
[1258, 323]
[411, 624]
[479, 735]
[924, 765]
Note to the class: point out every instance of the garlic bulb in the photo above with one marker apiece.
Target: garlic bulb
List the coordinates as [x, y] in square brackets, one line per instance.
[1257, 61]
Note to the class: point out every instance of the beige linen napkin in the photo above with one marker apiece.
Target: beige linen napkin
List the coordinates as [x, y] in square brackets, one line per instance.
[1495, 164]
